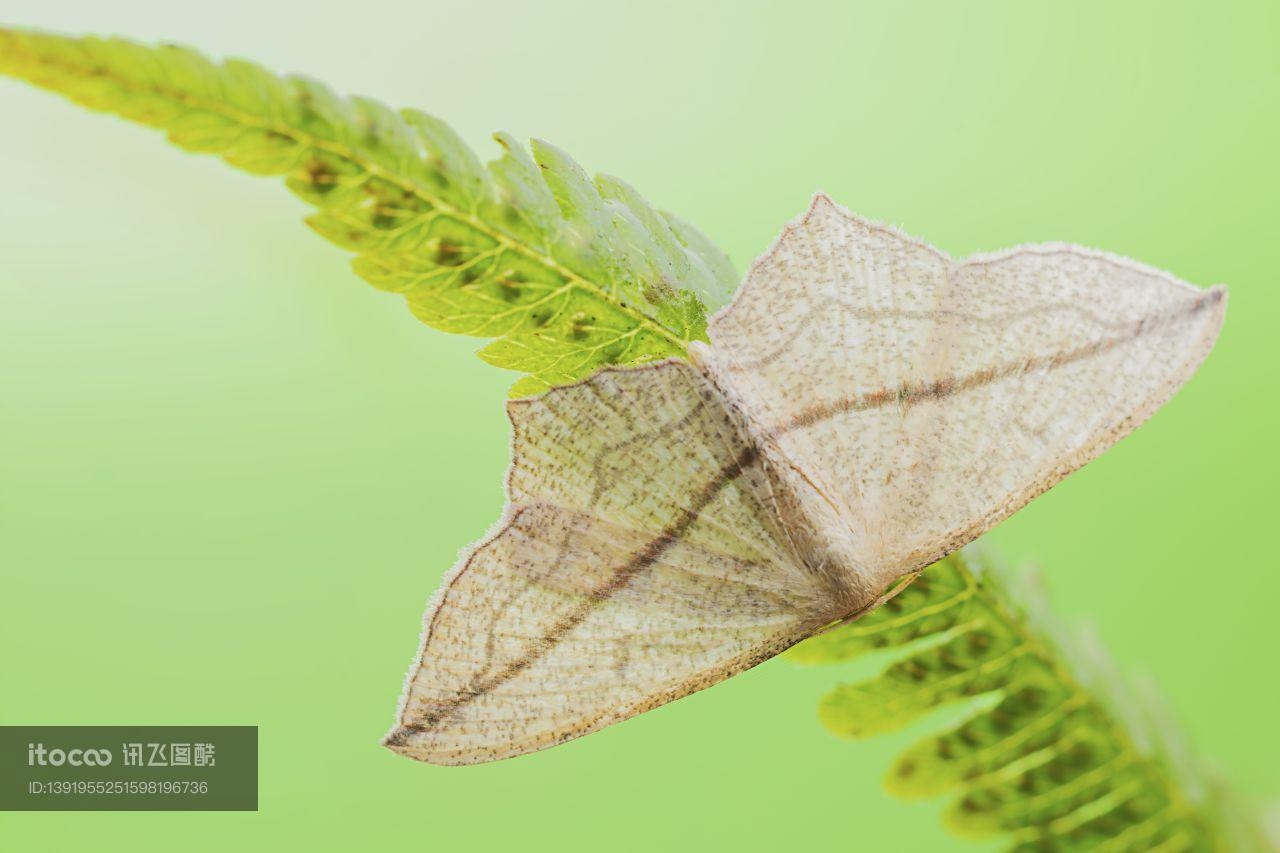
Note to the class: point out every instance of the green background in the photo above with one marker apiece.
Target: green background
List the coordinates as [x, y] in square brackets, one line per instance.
[231, 473]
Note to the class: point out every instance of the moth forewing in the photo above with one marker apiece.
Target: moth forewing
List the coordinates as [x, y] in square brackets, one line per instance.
[866, 405]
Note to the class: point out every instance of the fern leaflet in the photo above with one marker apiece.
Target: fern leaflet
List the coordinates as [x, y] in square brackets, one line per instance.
[1039, 756]
[565, 274]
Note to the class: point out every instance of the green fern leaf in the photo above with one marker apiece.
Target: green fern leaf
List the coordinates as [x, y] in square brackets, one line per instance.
[565, 273]
[1038, 756]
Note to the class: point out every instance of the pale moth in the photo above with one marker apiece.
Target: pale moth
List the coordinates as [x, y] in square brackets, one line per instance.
[866, 405]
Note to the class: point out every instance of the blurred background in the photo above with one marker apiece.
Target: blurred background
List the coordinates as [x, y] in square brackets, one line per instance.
[232, 473]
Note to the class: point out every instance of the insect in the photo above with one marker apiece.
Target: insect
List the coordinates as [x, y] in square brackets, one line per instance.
[865, 406]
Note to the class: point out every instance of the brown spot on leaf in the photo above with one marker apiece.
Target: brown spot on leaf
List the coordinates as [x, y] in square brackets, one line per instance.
[320, 175]
[448, 254]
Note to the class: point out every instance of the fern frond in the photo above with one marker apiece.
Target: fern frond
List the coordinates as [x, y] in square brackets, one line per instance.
[565, 273]
[1040, 757]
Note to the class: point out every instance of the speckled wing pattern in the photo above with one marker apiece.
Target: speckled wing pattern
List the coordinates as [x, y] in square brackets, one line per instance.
[930, 398]
[639, 560]
[867, 405]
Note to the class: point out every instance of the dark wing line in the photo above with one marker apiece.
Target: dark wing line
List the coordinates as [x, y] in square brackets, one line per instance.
[620, 578]
[907, 394]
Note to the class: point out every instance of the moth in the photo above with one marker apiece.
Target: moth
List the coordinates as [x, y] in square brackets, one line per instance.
[866, 405]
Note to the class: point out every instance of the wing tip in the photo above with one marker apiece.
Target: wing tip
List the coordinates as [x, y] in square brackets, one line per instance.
[1215, 300]
[401, 741]
[821, 202]
[822, 209]
[433, 745]
[1211, 301]
[398, 736]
